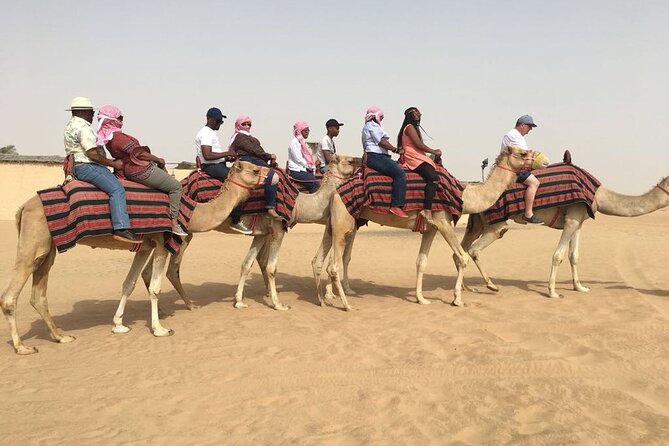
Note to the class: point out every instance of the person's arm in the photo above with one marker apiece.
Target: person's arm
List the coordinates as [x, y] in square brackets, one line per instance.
[382, 139]
[325, 150]
[209, 154]
[415, 139]
[251, 146]
[95, 156]
[146, 155]
[384, 143]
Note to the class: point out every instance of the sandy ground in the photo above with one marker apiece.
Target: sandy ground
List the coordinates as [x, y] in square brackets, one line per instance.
[509, 368]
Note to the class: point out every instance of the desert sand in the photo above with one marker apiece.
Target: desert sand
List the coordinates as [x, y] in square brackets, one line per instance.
[513, 367]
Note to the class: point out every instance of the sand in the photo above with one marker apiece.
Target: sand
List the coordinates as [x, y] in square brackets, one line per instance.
[509, 368]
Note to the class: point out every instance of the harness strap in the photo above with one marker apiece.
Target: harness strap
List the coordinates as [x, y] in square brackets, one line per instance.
[557, 215]
[242, 185]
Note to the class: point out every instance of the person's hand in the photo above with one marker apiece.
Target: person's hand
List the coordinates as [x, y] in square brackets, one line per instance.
[117, 164]
[437, 152]
[230, 158]
[400, 151]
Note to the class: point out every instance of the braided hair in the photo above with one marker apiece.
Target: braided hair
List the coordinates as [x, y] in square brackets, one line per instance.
[409, 119]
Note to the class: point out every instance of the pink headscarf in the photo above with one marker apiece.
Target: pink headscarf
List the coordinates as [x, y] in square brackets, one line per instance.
[373, 112]
[297, 131]
[239, 128]
[108, 123]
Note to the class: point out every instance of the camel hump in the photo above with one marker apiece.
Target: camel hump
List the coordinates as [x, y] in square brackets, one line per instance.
[566, 158]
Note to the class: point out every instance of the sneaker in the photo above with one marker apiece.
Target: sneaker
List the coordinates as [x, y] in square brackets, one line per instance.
[126, 236]
[272, 213]
[178, 230]
[398, 211]
[241, 228]
[533, 219]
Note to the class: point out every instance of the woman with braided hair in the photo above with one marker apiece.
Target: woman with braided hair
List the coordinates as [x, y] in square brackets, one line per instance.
[415, 157]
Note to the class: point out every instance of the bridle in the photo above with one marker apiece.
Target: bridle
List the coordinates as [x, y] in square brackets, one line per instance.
[257, 183]
[662, 189]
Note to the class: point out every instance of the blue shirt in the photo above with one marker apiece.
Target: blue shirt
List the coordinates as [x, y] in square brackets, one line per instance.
[372, 134]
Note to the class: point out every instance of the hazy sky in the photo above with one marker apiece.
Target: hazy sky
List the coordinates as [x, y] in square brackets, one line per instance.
[594, 74]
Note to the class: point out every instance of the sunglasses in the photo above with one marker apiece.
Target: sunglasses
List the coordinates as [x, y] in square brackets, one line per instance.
[245, 124]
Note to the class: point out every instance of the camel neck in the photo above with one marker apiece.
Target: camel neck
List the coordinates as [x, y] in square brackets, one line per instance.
[479, 197]
[209, 215]
[613, 203]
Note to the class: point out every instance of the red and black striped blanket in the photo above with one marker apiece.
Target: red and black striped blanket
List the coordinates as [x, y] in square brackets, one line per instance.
[374, 192]
[561, 185]
[201, 188]
[78, 209]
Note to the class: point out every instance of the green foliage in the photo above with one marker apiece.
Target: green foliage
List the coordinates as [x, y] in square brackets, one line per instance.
[10, 149]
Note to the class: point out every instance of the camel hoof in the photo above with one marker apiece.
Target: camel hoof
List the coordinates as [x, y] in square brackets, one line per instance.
[582, 289]
[424, 301]
[554, 295]
[492, 287]
[349, 291]
[240, 305]
[65, 339]
[162, 333]
[348, 308]
[281, 307]
[191, 307]
[457, 302]
[23, 350]
[120, 329]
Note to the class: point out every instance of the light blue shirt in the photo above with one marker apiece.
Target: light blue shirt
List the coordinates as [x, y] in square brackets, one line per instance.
[372, 134]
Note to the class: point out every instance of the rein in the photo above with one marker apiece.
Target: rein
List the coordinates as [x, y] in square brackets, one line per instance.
[662, 189]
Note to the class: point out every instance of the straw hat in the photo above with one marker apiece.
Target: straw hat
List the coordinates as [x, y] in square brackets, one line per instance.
[80, 103]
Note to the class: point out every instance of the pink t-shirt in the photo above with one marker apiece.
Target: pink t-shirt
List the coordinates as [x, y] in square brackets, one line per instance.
[412, 157]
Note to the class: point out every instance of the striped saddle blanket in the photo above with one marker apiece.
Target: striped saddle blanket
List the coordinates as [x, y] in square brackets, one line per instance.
[373, 191]
[561, 185]
[78, 209]
[201, 188]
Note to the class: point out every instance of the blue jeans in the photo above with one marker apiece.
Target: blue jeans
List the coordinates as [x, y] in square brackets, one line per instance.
[385, 165]
[270, 189]
[306, 179]
[220, 171]
[104, 180]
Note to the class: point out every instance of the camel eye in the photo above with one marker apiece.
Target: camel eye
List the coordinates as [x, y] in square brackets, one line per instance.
[256, 171]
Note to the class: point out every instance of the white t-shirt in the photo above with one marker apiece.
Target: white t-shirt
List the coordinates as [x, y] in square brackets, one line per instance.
[514, 138]
[296, 160]
[208, 137]
[372, 134]
[326, 144]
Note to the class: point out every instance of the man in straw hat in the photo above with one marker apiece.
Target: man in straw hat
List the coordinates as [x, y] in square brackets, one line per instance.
[90, 162]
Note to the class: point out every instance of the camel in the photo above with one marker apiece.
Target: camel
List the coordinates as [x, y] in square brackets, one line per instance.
[268, 237]
[479, 235]
[36, 253]
[476, 198]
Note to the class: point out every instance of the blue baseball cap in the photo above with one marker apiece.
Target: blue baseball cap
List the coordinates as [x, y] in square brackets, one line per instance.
[215, 113]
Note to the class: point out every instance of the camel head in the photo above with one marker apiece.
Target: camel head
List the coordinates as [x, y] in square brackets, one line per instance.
[342, 165]
[248, 173]
[512, 157]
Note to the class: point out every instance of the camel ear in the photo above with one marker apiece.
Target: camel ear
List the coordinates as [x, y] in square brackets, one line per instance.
[237, 165]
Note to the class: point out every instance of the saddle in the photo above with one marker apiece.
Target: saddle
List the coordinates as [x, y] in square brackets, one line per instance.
[562, 184]
[373, 191]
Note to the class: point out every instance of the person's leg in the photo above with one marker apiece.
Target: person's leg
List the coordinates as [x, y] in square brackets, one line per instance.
[386, 166]
[430, 176]
[219, 171]
[103, 179]
[305, 178]
[532, 184]
[164, 182]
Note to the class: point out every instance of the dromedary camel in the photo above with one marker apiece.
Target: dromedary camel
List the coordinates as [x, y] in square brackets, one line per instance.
[476, 198]
[268, 236]
[36, 252]
[570, 219]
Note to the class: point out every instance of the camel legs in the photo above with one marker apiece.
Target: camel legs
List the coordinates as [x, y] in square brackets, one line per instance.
[574, 244]
[173, 272]
[474, 245]
[265, 249]
[421, 261]
[317, 265]
[341, 224]
[39, 301]
[571, 227]
[446, 229]
[159, 259]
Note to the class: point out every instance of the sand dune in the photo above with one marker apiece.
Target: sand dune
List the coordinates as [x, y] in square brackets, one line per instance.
[509, 368]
